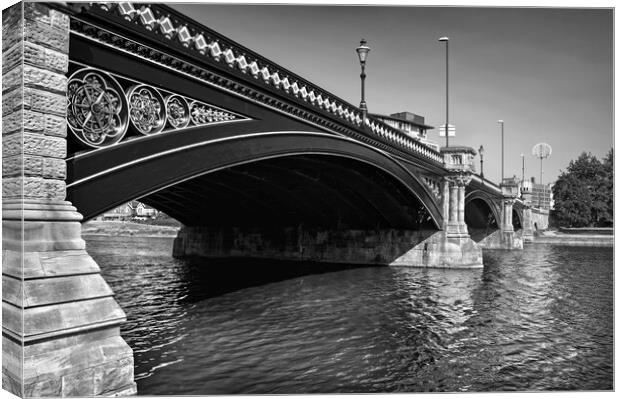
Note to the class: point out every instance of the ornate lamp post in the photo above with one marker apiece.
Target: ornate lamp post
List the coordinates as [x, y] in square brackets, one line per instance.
[446, 39]
[362, 53]
[481, 152]
[501, 122]
[522, 169]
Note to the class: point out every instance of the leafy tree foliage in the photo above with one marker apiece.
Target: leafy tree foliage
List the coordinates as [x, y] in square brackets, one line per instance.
[608, 170]
[583, 194]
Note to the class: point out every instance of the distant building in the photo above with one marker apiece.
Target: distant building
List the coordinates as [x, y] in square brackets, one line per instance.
[411, 124]
[119, 213]
[130, 210]
[143, 211]
[542, 195]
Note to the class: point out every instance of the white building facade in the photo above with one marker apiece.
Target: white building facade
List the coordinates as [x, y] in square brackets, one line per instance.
[411, 124]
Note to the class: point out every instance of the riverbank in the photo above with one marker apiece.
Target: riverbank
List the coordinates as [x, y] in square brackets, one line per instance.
[580, 239]
[605, 231]
[131, 229]
[124, 228]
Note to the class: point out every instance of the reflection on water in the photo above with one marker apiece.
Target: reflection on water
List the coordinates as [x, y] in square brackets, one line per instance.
[539, 319]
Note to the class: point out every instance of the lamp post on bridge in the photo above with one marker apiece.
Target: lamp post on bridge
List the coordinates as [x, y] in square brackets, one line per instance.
[481, 152]
[446, 39]
[501, 122]
[362, 53]
[522, 169]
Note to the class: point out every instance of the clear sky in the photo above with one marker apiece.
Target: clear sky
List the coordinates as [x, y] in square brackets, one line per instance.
[548, 73]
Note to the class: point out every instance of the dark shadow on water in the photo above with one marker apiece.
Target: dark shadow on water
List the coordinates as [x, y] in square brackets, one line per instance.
[133, 265]
[210, 277]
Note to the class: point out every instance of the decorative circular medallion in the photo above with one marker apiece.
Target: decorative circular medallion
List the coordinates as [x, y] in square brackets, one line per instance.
[202, 114]
[96, 108]
[177, 111]
[146, 109]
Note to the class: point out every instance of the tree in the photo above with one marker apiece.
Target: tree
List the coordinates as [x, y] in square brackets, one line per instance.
[583, 194]
[572, 201]
[608, 170]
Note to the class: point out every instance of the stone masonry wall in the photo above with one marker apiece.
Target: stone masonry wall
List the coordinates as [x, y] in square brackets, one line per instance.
[33, 87]
[541, 218]
[61, 333]
[12, 49]
[428, 248]
[338, 246]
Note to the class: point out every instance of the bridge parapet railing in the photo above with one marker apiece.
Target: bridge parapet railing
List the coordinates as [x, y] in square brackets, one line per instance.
[385, 131]
[166, 24]
[487, 184]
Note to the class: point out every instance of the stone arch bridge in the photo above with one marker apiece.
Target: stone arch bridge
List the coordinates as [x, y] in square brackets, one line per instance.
[109, 102]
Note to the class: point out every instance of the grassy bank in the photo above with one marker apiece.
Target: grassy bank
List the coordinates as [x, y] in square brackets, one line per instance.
[121, 228]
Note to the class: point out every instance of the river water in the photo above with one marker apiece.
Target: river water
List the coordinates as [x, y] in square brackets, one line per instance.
[538, 319]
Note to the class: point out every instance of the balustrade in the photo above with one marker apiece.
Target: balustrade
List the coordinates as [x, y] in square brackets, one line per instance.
[164, 23]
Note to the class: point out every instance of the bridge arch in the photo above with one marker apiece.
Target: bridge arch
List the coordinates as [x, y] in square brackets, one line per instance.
[179, 178]
[517, 217]
[480, 206]
[481, 210]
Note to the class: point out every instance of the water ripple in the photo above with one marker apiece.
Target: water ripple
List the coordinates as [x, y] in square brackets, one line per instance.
[540, 319]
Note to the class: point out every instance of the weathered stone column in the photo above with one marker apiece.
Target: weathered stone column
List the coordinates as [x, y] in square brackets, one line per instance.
[507, 204]
[527, 223]
[452, 247]
[456, 225]
[60, 334]
[459, 162]
[508, 238]
[462, 224]
[445, 202]
[454, 205]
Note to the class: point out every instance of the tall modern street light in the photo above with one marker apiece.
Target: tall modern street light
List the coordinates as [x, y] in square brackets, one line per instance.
[501, 122]
[446, 39]
[481, 152]
[362, 53]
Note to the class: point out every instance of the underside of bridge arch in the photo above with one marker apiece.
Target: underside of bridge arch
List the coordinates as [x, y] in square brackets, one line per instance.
[278, 195]
[516, 219]
[315, 191]
[481, 218]
[259, 179]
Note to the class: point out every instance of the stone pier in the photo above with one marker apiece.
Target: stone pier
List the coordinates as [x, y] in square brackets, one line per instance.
[452, 247]
[505, 237]
[60, 322]
[362, 247]
[528, 220]
[424, 248]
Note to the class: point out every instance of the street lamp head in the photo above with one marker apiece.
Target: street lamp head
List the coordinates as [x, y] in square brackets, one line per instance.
[362, 51]
[444, 39]
[481, 150]
[501, 121]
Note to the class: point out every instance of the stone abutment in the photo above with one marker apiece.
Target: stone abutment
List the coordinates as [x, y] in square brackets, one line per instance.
[60, 334]
[424, 248]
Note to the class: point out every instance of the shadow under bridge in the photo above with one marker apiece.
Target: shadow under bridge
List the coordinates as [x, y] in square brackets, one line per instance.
[267, 179]
[483, 214]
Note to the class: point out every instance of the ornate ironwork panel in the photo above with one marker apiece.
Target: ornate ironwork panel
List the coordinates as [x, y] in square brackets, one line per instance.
[100, 111]
[202, 114]
[96, 108]
[177, 112]
[147, 110]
